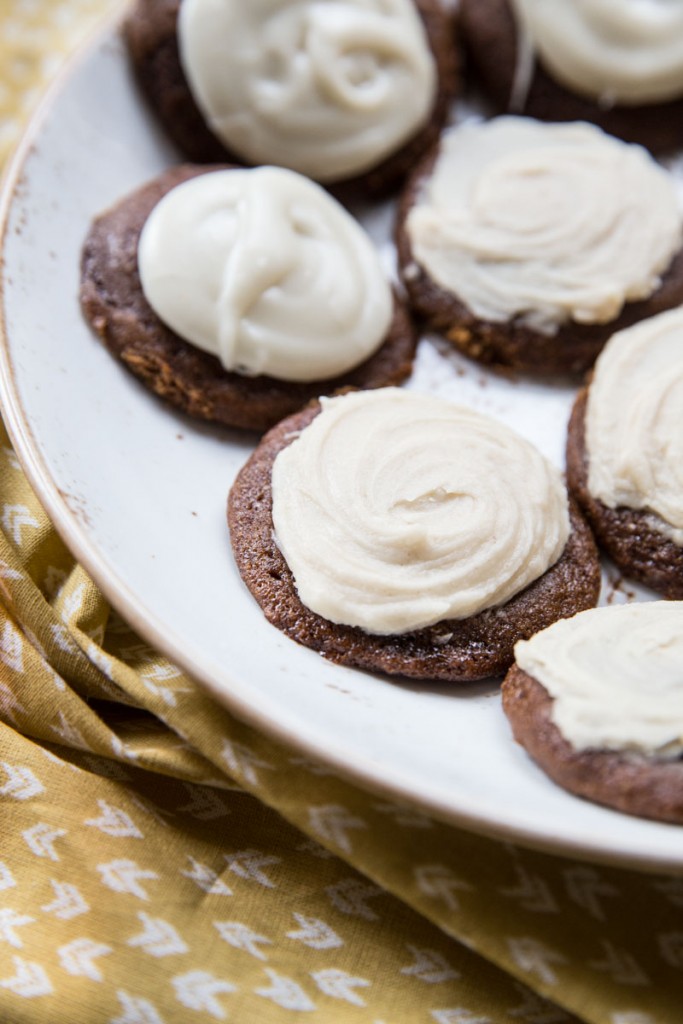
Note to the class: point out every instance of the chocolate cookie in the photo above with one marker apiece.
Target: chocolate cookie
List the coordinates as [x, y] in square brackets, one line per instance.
[195, 381]
[453, 650]
[514, 345]
[489, 32]
[150, 34]
[632, 783]
[627, 535]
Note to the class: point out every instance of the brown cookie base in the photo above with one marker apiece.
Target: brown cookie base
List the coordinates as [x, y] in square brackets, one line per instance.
[628, 782]
[641, 552]
[489, 32]
[194, 381]
[512, 345]
[455, 650]
[150, 34]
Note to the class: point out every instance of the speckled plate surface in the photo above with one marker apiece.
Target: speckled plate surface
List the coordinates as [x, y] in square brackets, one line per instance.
[139, 494]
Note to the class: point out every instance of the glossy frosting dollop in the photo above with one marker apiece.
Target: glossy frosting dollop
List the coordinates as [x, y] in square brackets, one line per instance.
[326, 87]
[634, 422]
[616, 676]
[544, 222]
[612, 51]
[267, 271]
[396, 510]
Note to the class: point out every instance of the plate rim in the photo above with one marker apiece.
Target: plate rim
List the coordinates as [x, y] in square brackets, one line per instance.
[143, 620]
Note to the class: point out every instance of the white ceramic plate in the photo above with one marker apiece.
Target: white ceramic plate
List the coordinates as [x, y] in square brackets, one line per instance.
[139, 495]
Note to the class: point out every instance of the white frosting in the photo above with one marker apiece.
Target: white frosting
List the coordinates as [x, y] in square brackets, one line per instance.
[616, 676]
[326, 87]
[525, 67]
[544, 222]
[396, 510]
[613, 51]
[268, 272]
[634, 422]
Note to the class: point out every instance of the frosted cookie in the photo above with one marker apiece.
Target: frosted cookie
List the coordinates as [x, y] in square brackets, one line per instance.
[527, 244]
[597, 701]
[619, 65]
[349, 92]
[625, 452]
[403, 534]
[238, 295]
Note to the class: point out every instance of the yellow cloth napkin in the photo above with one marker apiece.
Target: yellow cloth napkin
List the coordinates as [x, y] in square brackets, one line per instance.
[162, 862]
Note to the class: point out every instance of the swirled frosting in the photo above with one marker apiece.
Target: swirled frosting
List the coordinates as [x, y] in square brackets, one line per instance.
[616, 676]
[628, 52]
[544, 222]
[396, 510]
[634, 422]
[268, 272]
[326, 88]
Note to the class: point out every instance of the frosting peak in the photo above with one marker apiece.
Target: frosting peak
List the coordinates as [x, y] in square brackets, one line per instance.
[396, 511]
[616, 675]
[544, 222]
[264, 269]
[628, 52]
[326, 87]
[634, 422]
